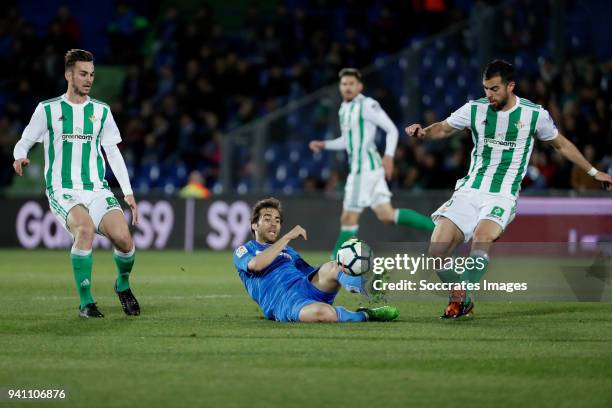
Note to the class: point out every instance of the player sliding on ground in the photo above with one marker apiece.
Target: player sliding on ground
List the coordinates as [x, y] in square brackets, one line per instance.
[287, 288]
[503, 127]
[360, 116]
[73, 128]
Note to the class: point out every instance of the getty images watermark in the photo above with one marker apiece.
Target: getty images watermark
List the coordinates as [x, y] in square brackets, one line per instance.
[459, 265]
[525, 271]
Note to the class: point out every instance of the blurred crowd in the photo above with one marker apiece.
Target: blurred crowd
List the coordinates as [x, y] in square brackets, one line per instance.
[189, 79]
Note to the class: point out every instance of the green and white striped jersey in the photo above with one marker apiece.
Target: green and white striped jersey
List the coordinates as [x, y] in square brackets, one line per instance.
[359, 120]
[503, 142]
[72, 135]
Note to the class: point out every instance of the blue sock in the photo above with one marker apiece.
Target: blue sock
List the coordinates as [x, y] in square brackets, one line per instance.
[353, 284]
[345, 315]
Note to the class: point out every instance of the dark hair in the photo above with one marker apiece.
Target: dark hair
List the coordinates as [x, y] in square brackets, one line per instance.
[354, 72]
[499, 68]
[260, 205]
[74, 55]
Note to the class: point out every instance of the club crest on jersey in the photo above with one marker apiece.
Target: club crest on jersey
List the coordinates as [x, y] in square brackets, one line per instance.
[93, 118]
[519, 125]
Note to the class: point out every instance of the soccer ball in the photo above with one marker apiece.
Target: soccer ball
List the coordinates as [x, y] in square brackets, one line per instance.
[354, 257]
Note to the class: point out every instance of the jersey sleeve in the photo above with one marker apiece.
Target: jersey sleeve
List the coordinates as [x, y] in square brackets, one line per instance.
[300, 263]
[33, 133]
[460, 119]
[37, 127]
[373, 112]
[545, 127]
[338, 143]
[117, 164]
[242, 256]
[110, 132]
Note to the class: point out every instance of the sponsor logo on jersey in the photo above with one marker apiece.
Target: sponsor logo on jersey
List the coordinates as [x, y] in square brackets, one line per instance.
[67, 197]
[499, 143]
[111, 202]
[496, 212]
[76, 137]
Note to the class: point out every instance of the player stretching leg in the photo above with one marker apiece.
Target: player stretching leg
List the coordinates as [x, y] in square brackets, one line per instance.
[286, 288]
[73, 128]
[360, 116]
[503, 127]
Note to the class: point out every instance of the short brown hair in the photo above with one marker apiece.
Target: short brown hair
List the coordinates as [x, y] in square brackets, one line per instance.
[354, 72]
[74, 55]
[260, 205]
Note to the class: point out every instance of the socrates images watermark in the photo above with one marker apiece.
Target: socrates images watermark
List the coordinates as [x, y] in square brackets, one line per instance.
[411, 264]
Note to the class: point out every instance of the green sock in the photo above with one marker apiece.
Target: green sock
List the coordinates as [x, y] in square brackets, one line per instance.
[448, 276]
[82, 261]
[124, 262]
[475, 273]
[481, 264]
[411, 218]
[345, 234]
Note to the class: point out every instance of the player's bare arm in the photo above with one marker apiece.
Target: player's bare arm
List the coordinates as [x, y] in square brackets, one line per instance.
[19, 164]
[265, 258]
[438, 130]
[571, 153]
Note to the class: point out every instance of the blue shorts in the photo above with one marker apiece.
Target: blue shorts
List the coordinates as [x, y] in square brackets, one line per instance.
[301, 294]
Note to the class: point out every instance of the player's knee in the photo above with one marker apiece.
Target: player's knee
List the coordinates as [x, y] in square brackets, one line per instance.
[84, 232]
[329, 269]
[319, 313]
[348, 219]
[484, 236]
[439, 249]
[325, 314]
[123, 241]
[386, 217]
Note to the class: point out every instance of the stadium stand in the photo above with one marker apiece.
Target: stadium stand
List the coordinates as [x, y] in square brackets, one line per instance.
[194, 74]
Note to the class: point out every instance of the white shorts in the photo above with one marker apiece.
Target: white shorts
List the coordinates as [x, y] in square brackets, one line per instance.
[367, 189]
[467, 207]
[97, 203]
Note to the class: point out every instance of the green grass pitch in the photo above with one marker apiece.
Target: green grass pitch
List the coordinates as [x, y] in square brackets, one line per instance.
[201, 342]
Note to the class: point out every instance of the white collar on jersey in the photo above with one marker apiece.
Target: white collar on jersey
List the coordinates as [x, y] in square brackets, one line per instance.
[358, 97]
[65, 99]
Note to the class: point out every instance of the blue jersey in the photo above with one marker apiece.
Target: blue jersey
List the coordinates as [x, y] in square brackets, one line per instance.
[269, 287]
